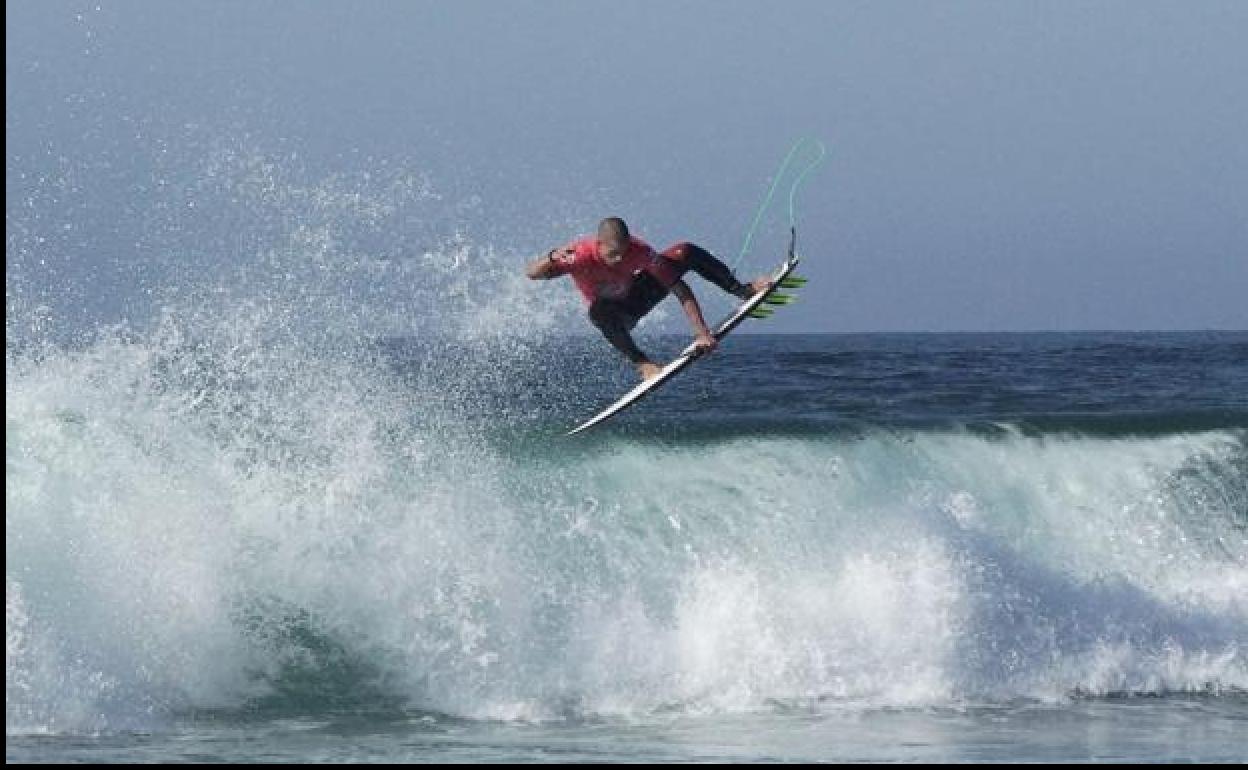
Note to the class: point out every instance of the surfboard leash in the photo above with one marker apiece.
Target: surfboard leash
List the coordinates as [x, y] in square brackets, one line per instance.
[763, 207]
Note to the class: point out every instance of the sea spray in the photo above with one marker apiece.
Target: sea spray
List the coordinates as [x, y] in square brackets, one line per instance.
[187, 549]
[258, 503]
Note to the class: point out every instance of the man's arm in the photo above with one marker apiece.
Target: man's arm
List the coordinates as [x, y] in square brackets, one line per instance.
[549, 266]
[689, 303]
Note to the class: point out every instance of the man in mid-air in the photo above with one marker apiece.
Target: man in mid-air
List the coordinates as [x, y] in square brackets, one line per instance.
[622, 278]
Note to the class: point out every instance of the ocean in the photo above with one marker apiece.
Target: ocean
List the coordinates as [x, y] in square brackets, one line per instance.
[226, 543]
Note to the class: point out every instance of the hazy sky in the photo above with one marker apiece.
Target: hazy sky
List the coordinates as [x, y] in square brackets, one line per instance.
[993, 165]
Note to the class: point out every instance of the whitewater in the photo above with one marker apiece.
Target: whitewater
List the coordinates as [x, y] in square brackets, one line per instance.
[327, 497]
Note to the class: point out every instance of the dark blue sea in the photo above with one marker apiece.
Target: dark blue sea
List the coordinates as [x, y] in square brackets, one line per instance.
[226, 546]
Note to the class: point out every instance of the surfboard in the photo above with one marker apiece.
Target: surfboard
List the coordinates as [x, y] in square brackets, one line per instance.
[751, 307]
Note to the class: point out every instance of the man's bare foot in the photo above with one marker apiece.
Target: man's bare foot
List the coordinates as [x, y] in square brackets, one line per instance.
[762, 283]
[747, 290]
[648, 370]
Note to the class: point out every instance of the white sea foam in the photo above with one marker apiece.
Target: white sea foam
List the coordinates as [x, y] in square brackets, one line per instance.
[188, 530]
[246, 506]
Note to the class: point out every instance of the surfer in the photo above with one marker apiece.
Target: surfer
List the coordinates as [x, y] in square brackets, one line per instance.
[622, 278]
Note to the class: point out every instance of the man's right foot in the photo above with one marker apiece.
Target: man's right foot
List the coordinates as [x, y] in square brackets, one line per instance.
[762, 283]
[648, 370]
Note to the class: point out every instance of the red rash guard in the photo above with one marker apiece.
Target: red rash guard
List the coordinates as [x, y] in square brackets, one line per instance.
[597, 280]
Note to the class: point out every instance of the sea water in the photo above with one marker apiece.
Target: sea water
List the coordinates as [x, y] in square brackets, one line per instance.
[229, 544]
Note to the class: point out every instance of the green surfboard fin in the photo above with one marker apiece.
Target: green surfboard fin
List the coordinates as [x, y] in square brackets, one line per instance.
[792, 282]
[779, 299]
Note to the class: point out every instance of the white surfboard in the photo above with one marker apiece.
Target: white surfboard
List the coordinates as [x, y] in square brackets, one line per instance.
[689, 354]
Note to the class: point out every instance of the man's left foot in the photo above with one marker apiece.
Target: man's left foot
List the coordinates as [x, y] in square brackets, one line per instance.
[648, 370]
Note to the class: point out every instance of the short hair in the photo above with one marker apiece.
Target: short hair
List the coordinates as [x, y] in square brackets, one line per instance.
[614, 227]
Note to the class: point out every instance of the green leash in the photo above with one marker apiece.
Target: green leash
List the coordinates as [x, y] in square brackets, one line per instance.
[822, 151]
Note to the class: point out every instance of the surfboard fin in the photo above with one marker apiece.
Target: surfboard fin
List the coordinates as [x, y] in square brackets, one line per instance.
[778, 298]
[761, 312]
[792, 282]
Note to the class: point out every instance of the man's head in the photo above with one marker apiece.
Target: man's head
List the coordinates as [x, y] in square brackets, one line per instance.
[612, 240]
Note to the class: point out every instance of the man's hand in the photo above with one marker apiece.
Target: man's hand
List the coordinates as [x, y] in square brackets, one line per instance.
[705, 343]
[548, 266]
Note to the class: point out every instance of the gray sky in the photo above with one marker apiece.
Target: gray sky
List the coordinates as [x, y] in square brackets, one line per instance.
[993, 165]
